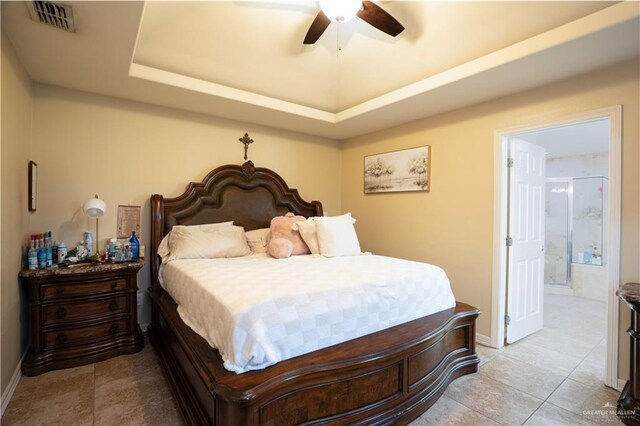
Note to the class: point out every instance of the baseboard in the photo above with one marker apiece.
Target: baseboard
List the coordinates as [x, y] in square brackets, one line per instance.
[483, 340]
[13, 384]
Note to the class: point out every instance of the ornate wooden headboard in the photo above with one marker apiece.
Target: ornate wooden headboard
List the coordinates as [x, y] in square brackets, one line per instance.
[249, 196]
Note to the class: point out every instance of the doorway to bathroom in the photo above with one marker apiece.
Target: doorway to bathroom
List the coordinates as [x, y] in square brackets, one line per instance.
[557, 234]
[575, 209]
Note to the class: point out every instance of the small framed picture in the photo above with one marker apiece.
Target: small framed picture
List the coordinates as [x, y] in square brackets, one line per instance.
[33, 185]
[398, 171]
[128, 220]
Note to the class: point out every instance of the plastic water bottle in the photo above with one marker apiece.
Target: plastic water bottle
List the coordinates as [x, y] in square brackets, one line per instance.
[32, 254]
[42, 253]
[88, 241]
[48, 248]
[62, 252]
[135, 246]
[112, 248]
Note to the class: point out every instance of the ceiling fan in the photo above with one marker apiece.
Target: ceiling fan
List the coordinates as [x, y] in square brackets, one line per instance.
[343, 10]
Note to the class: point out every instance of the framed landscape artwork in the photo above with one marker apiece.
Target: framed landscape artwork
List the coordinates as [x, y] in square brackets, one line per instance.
[398, 171]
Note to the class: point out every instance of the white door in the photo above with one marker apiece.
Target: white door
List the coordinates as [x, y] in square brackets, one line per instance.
[525, 279]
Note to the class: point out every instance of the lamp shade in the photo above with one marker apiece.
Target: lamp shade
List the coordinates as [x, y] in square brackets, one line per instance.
[340, 10]
[94, 207]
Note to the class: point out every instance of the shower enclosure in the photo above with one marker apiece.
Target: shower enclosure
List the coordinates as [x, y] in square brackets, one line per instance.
[575, 210]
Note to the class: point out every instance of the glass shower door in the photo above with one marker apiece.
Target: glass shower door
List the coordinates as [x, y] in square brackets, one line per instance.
[558, 224]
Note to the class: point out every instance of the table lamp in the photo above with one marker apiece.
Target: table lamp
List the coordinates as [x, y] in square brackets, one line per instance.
[94, 208]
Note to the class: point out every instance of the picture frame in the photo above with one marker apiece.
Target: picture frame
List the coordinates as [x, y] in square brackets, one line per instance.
[33, 186]
[406, 170]
[128, 220]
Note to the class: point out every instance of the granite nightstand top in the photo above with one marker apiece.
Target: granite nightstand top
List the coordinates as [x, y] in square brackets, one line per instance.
[82, 268]
[630, 292]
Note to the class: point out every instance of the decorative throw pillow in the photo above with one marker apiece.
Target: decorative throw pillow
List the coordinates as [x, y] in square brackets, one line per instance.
[307, 231]
[337, 236]
[281, 228]
[187, 242]
[258, 239]
[164, 249]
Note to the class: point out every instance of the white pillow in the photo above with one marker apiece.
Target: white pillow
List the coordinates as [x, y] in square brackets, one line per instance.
[205, 226]
[164, 249]
[307, 230]
[258, 239]
[337, 236]
[186, 242]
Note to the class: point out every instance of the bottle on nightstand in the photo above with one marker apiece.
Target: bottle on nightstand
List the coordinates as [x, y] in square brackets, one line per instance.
[135, 246]
[32, 254]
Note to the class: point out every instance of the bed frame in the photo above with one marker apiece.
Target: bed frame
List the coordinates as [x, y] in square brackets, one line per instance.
[391, 376]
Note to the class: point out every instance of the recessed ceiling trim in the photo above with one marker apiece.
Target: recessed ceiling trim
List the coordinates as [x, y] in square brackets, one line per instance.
[197, 85]
[595, 22]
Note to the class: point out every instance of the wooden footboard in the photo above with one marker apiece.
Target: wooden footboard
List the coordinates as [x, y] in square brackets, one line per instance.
[391, 376]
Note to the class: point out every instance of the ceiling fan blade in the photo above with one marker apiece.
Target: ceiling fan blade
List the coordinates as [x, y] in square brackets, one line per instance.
[317, 28]
[377, 17]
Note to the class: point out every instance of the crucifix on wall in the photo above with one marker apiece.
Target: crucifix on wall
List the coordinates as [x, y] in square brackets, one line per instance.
[246, 140]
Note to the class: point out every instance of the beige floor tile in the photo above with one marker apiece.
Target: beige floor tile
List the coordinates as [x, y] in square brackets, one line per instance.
[542, 357]
[599, 353]
[128, 365]
[447, 412]
[486, 353]
[533, 380]
[142, 399]
[577, 346]
[550, 415]
[589, 373]
[595, 403]
[493, 399]
[61, 397]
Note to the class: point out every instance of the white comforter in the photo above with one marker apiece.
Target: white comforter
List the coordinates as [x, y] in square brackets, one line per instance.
[258, 311]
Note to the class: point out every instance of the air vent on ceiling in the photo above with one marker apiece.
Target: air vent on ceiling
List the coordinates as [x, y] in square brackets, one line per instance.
[52, 13]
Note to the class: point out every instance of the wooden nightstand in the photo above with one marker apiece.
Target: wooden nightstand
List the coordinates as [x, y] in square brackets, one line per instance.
[81, 314]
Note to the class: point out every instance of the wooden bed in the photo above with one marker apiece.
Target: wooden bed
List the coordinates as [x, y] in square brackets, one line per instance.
[391, 376]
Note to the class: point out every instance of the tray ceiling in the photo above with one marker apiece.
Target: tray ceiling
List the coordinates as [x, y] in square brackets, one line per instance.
[257, 47]
[245, 59]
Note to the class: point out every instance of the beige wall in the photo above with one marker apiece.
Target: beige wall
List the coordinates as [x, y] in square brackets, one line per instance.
[452, 226]
[124, 151]
[15, 151]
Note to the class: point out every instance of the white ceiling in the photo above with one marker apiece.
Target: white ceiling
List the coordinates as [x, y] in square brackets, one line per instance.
[590, 137]
[245, 59]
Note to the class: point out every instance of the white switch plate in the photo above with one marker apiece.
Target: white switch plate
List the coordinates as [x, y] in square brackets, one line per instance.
[139, 298]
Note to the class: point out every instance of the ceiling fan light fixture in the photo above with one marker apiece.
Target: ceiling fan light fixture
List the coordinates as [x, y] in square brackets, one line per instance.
[340, 10]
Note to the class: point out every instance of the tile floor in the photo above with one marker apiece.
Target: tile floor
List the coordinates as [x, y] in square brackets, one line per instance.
[553, 377]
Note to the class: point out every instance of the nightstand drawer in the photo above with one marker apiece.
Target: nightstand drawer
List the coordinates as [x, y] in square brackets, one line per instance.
[85, 335]
[81, 288]
[68, 312]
